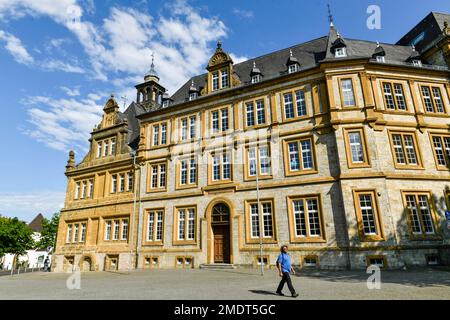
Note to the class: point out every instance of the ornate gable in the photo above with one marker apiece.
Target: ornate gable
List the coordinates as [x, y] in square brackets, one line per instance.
[219, 58]
[110, 114]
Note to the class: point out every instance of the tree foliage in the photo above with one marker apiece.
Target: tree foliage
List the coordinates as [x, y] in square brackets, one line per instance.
[49, 231]
[15, 236]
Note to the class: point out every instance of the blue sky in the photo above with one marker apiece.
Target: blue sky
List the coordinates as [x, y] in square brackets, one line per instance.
[61, 59]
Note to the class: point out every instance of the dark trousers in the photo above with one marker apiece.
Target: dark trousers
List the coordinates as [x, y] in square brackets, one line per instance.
[286, 278]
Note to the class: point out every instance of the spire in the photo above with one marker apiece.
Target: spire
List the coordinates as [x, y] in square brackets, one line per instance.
[151, 74]
[330, 16]
[255, 70]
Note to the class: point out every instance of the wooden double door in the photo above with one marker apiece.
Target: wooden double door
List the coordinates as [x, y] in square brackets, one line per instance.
[221, 243]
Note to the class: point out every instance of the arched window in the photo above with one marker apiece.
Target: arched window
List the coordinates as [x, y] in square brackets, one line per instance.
[220, 213]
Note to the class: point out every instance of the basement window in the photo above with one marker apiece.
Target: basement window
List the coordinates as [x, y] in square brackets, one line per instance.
[310, 262]
[376, 261]
[432, 260]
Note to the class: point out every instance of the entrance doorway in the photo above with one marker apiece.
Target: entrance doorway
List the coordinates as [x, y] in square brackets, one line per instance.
[220, 224]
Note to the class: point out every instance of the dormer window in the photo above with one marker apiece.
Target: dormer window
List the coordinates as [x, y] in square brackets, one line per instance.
[256, 78]
[165, 103]
[381, 59]
[293, 68]
[192, 96]
[417, 63]
[215, 81]
[340, 52]
[224, 78]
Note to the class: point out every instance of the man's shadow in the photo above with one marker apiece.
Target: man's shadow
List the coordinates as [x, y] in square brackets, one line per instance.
[267, 293]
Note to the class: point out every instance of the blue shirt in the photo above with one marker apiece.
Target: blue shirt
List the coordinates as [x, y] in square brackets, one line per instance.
[285, 261]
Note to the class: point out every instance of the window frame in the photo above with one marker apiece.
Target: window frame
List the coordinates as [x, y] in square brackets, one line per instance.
[175, 240]
[380, 236]
[211, 155]
[248, 230]
[341, 93]
[437, 235]
[153, 242]
[255, 113]
[392, 85]
[292, 222]
[188, 128]
[442, 137]
[112, 220]
[188, 185]
[293, 92]
[150, 175]
[433, 99]
[151, 129]
[247, 176]
[287, 168]
[230, 121]
[351, 165]
[419, 165]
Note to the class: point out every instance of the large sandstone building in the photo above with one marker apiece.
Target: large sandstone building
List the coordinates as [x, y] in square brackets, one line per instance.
[349, 140]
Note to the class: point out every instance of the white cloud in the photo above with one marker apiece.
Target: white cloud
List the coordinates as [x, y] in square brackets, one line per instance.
[238, 59]
[16, 49]
[26, 206]
[245, 14]
[58, 65]
[63, 124]
[72, 92]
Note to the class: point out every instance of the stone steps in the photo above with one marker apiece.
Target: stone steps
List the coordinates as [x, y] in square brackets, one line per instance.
[220, 266]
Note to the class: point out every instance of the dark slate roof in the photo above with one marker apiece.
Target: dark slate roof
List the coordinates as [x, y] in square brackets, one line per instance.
[133, 110]
[431, 27]
[36, 224]
[309, 54]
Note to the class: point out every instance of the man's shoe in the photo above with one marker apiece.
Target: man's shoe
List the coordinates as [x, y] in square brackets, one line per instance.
[280, 293]
[294, 295]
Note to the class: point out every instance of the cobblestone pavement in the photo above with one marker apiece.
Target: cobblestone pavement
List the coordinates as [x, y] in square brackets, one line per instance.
[197, 284]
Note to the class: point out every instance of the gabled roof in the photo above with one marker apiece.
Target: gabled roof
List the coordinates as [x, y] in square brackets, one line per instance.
[36, 224]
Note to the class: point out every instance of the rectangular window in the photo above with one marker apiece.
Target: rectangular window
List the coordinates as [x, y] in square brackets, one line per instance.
[220, 165]
[122, 182]
[420, 217]
[108, 226]
[368, 215]
[399, 97]
[288, 106]
[164, 133]
[261, 112]
[432, 99]
[116, 229]
[300, 156]
[215, 81]
[298, 110]
[106, 149]
[225, 82]
[184, 129]
[77, 190]
[225, 122]
[99, 149]
[158, 176]
[186, 224]
[405, 150]
[356, 148]
[159, 135]
[130, 181]
[69, 233]
[113, 146]
[75, 232]
[306, 219]
[441, 148]
[91, 188]
[250, 112]
[155, 226]
[215, 121]
[393, 96]
[114, 183]
[124, 229]
[301, 103]
[187, 172]
[292, 68]
[266, 213]
[193, 127]
[83, 190]
[388, 96]
[256, 78]
[156, 135]
[348, 95]
[83, 232]
[258, 155]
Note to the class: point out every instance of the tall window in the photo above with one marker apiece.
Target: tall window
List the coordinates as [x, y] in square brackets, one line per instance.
[91, 188]
[106, 148]
[83, 232]
[357, 154]
[122, 182]
[158, 176]
[188, 128]
[306, 218]
[159, 134]
[419, 214]
[393, 96]
[187, 172]
[298, 110]
[124, 233]
[130, 181]
[266, 213]
[220, 120]
[116, 229]
[258, 155]
[77, 189]
[155, 226]
[255, 117]
[225, 81]
[215, 81]
[432, 99]
[83, 190]
[300, 157]
[250, 114]
[186, 224]
[114, 183]
[192, 127]
[184, 129]
[108, 226]
[113, 146]
[69, 233]
[220, 166]
[441, 148]
[368, 217]
[405, 150]
[99, 149]
[348, 95]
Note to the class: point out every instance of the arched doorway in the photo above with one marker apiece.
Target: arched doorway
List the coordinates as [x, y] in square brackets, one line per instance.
[220, 225]
[86, 264]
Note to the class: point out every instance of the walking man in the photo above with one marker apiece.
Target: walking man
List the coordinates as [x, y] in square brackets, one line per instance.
[284, 264]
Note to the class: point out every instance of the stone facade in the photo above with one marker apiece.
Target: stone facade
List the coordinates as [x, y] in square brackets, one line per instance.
[350, 196]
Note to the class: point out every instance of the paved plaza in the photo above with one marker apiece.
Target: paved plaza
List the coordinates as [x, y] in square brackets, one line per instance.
[199, 284]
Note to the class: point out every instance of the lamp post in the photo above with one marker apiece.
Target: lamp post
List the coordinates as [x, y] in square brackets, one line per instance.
[133, 154]
[261, 226]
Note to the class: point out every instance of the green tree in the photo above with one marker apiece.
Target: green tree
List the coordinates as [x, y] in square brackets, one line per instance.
[49, 231]
[15, 236]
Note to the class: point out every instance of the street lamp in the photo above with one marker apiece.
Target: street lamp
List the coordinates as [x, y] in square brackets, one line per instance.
[133, 153]
[261, 226]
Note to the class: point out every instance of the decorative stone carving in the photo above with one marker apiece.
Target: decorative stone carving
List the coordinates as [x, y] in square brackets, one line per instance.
[71, 162]
[219, 57]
